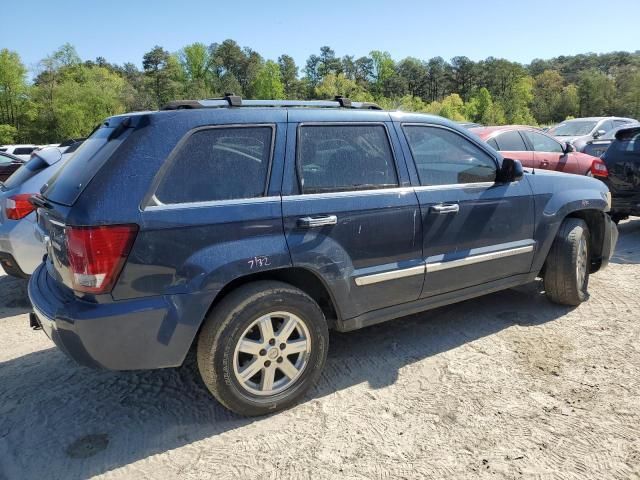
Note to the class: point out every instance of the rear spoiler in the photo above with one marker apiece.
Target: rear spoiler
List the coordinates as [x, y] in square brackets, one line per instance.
[627, 133]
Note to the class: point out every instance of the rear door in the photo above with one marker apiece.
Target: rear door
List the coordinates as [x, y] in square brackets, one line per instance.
[475, 230]
[548, 153]
[512, 145]
[350, 214]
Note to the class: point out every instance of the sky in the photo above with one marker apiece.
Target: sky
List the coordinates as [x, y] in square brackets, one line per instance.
[122, 31]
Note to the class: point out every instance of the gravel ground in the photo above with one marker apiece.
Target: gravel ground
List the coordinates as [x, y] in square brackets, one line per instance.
[504, 386]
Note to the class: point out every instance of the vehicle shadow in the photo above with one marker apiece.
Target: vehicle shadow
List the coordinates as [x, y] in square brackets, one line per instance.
[13, 296]
[85, 422]
[628, 248]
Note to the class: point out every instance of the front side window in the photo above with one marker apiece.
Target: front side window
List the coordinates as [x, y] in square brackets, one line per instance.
[542, 143]
[5, 160]
[443, 157]
[510, 142]
[333, 158]
[218, 164]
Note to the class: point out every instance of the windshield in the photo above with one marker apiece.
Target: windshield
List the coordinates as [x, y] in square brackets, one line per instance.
[573, 128]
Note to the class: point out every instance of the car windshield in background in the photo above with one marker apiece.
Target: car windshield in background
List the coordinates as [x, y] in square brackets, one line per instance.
[25, 172]
[570, 129]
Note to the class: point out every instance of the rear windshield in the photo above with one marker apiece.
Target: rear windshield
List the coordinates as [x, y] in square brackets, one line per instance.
[573, 128]
[69, 182]
[25, 172]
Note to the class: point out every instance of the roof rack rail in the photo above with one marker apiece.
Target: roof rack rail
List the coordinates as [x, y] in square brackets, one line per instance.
[231, 100]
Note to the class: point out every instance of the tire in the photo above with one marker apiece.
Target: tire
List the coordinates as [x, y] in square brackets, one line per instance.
[566, 272]
[225, 362]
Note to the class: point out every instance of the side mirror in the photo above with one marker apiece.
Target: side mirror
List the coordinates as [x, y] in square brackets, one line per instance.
[568, 148]
[599, 133]
[510, 171]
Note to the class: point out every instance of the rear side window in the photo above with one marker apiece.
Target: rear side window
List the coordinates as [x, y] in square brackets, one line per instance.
[333, 158]
[218, 164]
[25, 172]
[510, 142]
[23, 150]
[444, 157]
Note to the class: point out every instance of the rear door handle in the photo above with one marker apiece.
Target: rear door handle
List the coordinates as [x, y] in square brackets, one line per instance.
[445, 208]
[319, 221]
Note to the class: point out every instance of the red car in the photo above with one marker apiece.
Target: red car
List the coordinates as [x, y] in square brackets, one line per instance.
[8, 165]
[536, 149]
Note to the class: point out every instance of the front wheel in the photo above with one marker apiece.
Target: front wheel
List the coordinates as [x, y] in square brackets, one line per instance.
[566, 272]
[262, 347]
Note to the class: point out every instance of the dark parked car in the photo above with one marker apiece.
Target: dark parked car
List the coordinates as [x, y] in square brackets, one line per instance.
[597, 147]
[249, 229]
[8, 165]
[623, 161]
[536, 149]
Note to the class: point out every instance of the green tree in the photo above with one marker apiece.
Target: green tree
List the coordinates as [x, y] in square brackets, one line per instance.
[452, 107]
[163, 73]
[289, 76]
[596, 92]
[516, 102]
[196, 65]
[8, 134]
[337, 84]
[383, 68]
[268, 82]
[13, 89]
[547, 94]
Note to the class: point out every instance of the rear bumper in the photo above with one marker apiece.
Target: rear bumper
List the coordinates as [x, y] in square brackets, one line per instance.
[19, 245]
[147, 333]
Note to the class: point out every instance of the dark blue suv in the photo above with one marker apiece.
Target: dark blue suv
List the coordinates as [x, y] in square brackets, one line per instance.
[248, 229]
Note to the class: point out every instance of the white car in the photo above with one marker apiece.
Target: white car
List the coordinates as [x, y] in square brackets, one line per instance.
[20, 250]
[21, 151]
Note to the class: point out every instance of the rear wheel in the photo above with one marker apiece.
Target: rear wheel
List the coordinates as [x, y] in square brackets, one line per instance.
[566, 272]
[262, 348]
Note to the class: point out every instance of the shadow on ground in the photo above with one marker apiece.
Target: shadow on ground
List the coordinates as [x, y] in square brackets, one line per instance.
[92, 421]
[13, 296]
[628, 248]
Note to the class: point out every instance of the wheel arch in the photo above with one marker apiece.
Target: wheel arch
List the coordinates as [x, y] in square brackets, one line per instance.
[596, 222]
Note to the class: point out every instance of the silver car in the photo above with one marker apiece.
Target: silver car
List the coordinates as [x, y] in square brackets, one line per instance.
[20, 251]
[579, 131]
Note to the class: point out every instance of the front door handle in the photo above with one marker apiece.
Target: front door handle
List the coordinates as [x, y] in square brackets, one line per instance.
[445, 208]
[319, 221]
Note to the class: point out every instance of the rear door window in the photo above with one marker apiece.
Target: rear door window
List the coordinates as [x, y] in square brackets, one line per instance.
[510, 141]
[333, 158]
[217, 164]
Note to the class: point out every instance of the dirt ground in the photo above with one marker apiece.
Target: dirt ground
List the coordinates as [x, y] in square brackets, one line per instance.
[504, 386]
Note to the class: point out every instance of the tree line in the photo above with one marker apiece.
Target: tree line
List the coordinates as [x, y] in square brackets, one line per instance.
[68, 97]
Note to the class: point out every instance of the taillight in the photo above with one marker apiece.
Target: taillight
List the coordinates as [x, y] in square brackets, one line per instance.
[599, 169]
[18, 206]
[97, 255]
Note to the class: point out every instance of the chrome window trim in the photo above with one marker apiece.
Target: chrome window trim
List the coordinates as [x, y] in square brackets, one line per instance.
[212, 203]
[350, 193]
[459, 186]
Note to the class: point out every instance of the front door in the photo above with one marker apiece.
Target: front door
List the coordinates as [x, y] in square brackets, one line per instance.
[475, 230]
[351, 216]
